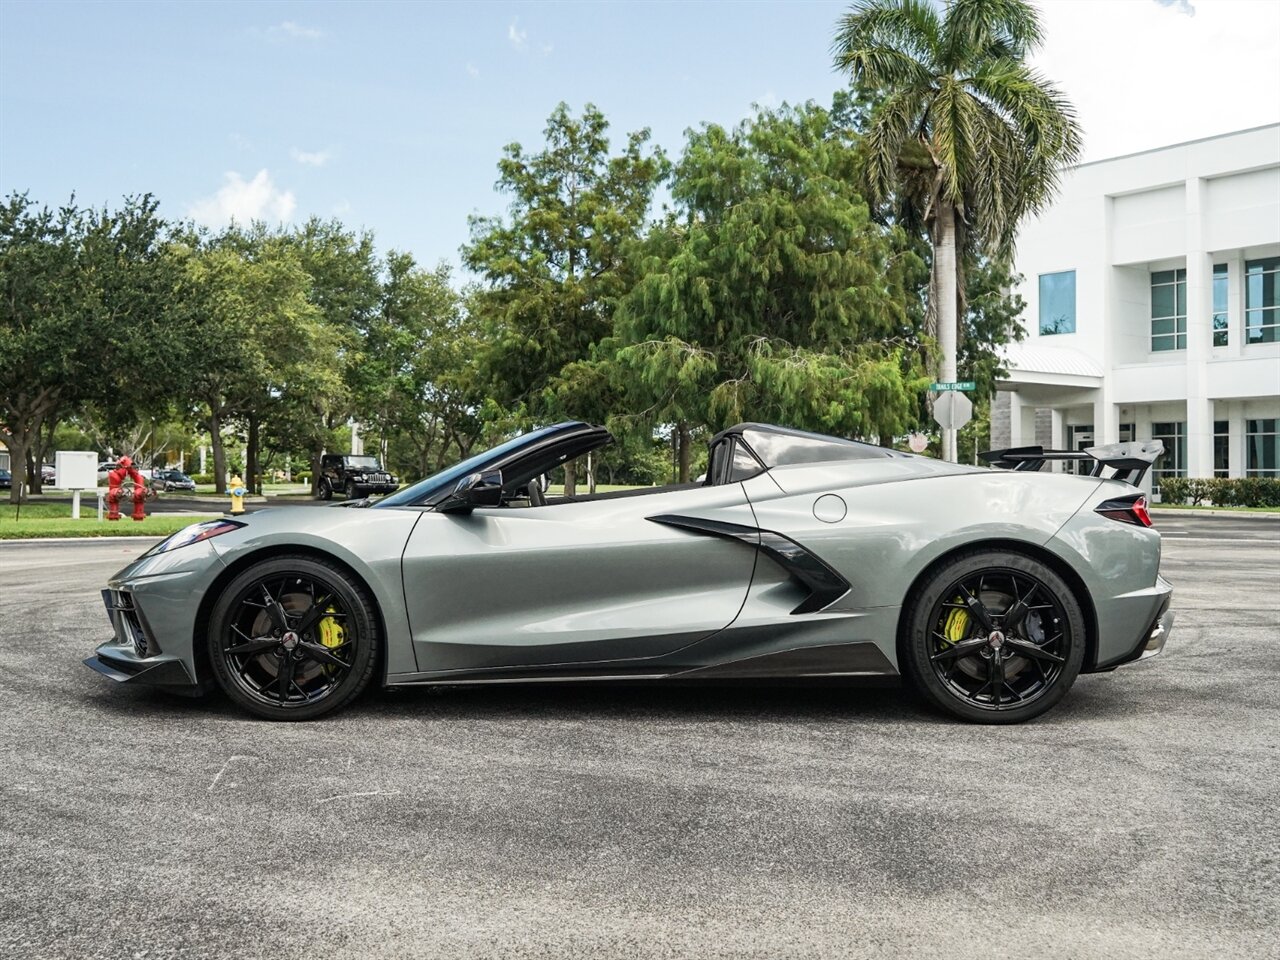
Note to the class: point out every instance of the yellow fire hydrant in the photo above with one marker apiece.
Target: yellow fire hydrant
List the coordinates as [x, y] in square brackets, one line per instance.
[237, 496]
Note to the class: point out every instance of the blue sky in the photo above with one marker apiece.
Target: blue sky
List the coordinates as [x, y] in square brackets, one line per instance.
[393, 115]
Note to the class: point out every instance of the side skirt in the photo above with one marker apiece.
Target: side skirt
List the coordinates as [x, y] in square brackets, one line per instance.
[860, 659]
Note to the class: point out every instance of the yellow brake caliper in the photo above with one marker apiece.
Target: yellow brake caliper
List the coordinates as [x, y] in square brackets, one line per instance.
[956, 624]
[331, 634]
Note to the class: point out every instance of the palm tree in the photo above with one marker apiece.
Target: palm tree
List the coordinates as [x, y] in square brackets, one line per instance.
[964, 136]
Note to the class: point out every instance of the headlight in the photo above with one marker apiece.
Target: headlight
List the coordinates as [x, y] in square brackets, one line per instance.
[204, 530]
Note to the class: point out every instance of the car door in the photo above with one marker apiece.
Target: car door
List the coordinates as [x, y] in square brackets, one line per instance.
[592, 584]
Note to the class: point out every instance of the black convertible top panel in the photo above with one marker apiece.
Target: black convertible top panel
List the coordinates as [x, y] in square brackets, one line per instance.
[779, 446]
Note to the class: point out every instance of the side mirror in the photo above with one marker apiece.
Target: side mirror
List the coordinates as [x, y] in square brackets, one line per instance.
[477, 490]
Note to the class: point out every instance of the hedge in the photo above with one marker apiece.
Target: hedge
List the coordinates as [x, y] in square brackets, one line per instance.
[1222, 492]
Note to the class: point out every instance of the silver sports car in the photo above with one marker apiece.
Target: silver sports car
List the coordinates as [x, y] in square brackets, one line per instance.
[798, 555]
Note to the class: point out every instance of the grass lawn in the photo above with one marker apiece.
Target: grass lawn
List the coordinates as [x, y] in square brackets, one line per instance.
[54, 520]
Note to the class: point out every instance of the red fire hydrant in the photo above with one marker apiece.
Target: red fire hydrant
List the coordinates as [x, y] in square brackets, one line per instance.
[115, 478]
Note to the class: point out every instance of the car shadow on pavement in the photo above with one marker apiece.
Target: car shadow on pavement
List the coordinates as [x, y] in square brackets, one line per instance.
[783, 702]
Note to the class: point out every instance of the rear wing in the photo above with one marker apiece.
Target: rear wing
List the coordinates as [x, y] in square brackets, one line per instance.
[1130, 461]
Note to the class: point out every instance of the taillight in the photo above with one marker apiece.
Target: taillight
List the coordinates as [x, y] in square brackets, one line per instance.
[1126, 510]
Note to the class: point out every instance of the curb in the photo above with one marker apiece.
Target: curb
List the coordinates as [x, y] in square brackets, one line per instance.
[138, 539]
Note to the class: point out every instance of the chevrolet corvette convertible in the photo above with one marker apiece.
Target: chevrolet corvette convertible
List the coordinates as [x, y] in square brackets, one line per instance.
[989, 589]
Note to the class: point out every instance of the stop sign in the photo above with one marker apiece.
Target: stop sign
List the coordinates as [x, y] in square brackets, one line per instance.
[952, 410]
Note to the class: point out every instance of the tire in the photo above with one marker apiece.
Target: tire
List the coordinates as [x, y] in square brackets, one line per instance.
[351, 490]
[325, 489]
[254, 661]
[950, 657]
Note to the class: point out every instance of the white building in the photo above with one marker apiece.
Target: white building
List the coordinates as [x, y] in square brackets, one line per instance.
[1153, 309]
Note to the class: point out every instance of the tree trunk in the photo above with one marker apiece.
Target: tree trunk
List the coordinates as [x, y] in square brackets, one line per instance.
[686, 450]
[251, 467]
[944, 267]
[219, 451]
[17, 443]
[39, 452]
[570, 477]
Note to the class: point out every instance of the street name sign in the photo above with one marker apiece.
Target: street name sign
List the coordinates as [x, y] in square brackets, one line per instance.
[967, 385]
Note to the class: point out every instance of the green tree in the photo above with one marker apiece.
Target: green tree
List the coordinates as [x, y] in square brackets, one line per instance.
[963, 133]
[255, 342]
[416, 381]
[554, 269]
[343, 286]
[85, 304]
[771, 293]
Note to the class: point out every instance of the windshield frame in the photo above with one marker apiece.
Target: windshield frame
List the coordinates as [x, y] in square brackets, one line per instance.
[422, 493]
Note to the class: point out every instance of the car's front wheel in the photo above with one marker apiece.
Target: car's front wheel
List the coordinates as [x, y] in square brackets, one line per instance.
[293, 638]
[994, 637]
[352, 491]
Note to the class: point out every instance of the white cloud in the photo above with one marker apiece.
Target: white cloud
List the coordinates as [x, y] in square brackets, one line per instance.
[1181, 6]
[519, 38]
[289, 29]
[472, 70]
[1145, 75]
[315, 158]
[244, 201]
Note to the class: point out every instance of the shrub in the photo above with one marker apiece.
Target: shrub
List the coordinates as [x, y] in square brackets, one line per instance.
[302, 478]
[1173, 490]
[1222, 491]
[202, 477]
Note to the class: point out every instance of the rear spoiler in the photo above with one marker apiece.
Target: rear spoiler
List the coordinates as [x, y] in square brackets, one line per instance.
[1130, 461]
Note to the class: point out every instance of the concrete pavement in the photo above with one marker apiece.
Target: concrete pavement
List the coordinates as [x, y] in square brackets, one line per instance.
[1137, 820]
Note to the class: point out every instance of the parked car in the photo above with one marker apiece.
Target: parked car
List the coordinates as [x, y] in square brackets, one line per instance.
[354, 476]
[47, 473]
[6, 479]
[800, 556]
[171, 479]
[104, 468]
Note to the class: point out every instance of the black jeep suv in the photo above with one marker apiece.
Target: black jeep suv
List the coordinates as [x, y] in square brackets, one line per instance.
[354, 476]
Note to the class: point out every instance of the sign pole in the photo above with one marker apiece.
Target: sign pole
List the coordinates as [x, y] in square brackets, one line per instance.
[75, 504]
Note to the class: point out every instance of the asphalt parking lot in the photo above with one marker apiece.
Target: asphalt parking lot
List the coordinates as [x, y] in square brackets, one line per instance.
[1137, 820]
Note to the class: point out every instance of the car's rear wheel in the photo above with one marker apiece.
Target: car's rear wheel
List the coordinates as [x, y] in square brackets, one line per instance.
[995, 637]
[293, 638]
[324, 489]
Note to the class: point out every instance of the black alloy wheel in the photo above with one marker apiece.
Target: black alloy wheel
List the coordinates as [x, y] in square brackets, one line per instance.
[293, 638]
[324, 489]
[995, 637]
[351, 490]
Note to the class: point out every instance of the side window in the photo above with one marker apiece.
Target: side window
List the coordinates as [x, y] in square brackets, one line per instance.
[731, 461]
[717, 463]
[744, 465]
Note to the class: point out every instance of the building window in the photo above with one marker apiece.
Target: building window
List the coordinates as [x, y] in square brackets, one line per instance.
[1058, 302]
[1262, 300]
[1260, 442]
[1174, 461]
[1221, 447]
[1220, 288]
[1169, 310]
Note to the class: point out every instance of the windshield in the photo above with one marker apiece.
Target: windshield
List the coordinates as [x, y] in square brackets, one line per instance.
[365, 463]
[446, 478]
